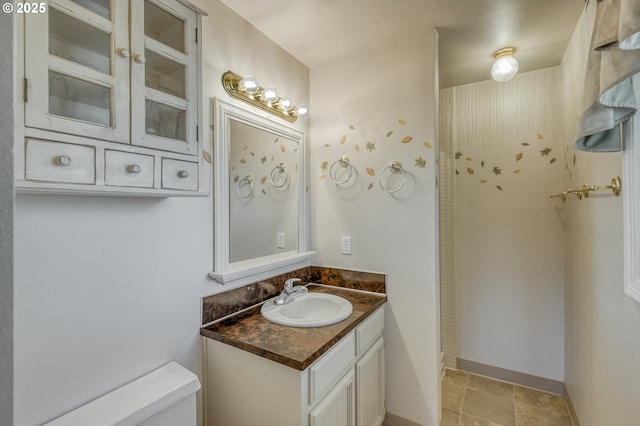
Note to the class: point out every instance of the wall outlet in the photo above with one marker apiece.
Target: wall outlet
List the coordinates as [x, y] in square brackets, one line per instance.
[346, 245]
[280, 240]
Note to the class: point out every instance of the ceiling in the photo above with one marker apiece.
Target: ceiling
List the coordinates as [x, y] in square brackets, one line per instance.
[321, 31]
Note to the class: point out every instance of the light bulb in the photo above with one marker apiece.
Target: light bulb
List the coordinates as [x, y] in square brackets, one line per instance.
[249, 84]
[270, 95]
[504, 69]
[302, 109]
[285, 104]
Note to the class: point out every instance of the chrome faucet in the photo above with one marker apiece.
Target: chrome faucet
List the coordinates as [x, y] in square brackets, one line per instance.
[289, 292]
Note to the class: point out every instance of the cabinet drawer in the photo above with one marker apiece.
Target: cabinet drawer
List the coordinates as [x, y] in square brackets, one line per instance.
[127, 169]
[177, 174]
[370, 330]
[330, 367]
[59, 162]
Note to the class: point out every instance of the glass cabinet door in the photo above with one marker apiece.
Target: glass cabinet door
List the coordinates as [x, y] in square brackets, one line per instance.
[164, 76]
[77, 69]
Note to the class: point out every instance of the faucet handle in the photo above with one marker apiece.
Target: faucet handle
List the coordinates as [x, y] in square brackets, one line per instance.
[288, 284]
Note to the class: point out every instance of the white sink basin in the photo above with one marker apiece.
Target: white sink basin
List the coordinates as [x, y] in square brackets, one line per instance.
[308, 310]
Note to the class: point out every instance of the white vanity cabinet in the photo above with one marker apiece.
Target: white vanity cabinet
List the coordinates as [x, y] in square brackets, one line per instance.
[344, 387]
[121, 79]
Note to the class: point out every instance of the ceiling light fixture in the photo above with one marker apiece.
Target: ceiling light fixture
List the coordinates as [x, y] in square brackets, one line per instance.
[248, 90]
[505, 66]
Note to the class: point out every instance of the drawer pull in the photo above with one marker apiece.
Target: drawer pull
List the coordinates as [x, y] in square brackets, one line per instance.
[63, 160]
[140, 59]
[123, 53]
[134, 168]
[183, 174]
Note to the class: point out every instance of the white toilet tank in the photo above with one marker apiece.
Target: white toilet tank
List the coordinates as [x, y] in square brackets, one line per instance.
[164, 397]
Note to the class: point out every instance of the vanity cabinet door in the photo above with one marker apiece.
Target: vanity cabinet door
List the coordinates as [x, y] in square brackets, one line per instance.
[77, 69]
[338, 407]
[370, 384]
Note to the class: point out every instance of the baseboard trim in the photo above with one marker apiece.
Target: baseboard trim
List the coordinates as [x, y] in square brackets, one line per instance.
[523, 379]
[393, 420]
[572, 411]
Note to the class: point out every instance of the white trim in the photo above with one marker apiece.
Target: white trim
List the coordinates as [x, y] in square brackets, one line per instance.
[255, 269]
[631, 207]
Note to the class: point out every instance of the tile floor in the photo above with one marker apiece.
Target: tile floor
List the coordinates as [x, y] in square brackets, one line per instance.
[471, 400]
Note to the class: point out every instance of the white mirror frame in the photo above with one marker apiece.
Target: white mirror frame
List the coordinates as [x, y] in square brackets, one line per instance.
[248, 271]
[631, 206]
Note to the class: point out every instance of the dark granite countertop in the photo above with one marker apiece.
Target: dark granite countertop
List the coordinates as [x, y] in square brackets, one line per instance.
[292, 346]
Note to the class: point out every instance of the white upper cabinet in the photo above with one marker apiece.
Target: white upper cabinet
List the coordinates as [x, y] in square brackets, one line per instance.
[113, 75]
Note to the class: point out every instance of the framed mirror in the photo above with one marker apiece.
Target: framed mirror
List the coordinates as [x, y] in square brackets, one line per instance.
[261, 197]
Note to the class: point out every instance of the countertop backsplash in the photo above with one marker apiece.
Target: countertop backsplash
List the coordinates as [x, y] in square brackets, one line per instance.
[229, 302]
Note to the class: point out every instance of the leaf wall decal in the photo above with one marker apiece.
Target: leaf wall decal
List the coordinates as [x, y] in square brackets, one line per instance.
[427, 144]
[263, 180]
[553, 160]
[407, 139]
[343, 139]
[370, 186]
[371, 171]
[282, 148]
[243, 161]
[207, 157]
[497, 170]
[525, 144]
[326, 145]
[517, 171]
[499, 187]
[519, 156]
[470, 170]
[401, 121]
[420, 162]
[357, 147]
[322, 177]
[469, 159]
[371, 146]
[351, 127]
[458, 154]
[482, 163]
[540, 136]
[483, 181]
[263, 159]
[545, 151]
[389, 133]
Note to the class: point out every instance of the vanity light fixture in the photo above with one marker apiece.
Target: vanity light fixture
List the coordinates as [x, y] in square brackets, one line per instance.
[506, 66]
[248, 89]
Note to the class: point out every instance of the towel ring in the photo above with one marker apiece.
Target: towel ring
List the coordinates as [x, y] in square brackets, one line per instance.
[342, 162]
[279, 170]
[248, 182]
[393, 168]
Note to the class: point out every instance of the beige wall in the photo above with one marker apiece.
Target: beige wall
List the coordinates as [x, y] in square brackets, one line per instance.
[376, 107]
[6, 222]
[508, 232]
[602, 366]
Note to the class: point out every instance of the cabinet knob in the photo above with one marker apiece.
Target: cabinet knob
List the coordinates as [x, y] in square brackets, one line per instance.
[140, 59]
[183, 174]
[123, 53]
[133, 168]
[63, 160]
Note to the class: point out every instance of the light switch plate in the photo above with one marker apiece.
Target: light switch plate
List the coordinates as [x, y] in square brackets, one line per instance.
[346, 245]
[280, 240]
